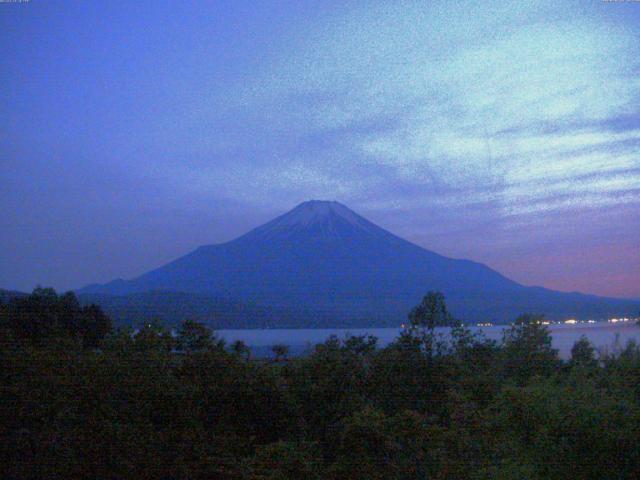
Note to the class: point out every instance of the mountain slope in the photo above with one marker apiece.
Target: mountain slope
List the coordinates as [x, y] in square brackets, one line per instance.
[172, 307]
[324, 258]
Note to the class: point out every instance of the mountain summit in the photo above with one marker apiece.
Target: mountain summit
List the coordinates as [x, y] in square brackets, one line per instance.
[314, 211]
[323, 264]
[328, 219]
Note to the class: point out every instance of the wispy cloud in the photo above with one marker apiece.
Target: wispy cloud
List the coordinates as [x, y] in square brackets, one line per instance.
[515, 107]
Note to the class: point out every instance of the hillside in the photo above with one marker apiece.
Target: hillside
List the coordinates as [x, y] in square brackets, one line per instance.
[324, 259]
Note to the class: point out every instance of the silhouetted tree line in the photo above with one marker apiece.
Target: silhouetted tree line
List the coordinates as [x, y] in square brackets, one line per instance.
[81, 400]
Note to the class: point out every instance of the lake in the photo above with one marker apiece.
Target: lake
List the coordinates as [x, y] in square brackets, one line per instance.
[603, 336]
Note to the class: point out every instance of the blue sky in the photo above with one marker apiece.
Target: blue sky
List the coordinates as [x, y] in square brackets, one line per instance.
[507, 133]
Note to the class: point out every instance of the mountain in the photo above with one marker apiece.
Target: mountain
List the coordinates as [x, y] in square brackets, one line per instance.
[173, 307]
[324, 264]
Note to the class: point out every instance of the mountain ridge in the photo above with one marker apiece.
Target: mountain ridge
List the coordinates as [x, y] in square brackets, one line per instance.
[324, 258]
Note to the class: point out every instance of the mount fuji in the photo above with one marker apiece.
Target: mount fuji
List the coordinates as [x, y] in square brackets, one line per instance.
[321, 264]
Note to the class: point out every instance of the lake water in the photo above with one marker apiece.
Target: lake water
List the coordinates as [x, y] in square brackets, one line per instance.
[603, 336]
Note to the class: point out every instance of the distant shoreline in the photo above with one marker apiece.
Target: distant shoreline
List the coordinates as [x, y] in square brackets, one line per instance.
[601, 334]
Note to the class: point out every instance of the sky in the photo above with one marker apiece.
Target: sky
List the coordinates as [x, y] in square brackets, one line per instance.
[502, 132]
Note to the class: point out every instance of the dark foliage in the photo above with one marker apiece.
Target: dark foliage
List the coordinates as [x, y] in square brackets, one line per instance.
[151, 405]
[43, 315]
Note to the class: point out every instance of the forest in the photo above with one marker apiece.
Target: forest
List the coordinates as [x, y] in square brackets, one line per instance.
[82, 399]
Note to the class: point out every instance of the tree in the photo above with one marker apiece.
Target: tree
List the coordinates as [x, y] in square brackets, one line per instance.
[430, 313]
[365, 449]
[280, 351]
[154, 336]
[94, 327]
[195, 337]
[373, 445]
[240, 348]
[399, 378]
[44, 315]
[326, 386]
[527, 349]
[360, 344]
[565, 428]
[583, 353]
